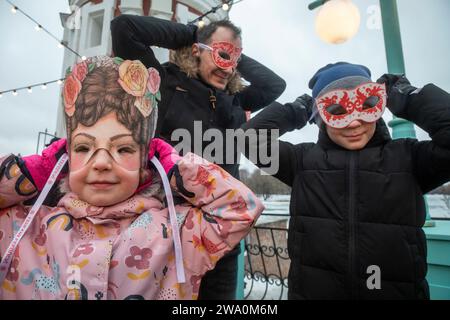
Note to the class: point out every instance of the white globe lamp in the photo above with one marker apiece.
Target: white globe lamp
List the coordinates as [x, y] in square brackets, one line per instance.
[337, 21]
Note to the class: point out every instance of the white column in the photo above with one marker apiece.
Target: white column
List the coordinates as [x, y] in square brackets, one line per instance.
[161, 9]
[182, 14]
[72, 35]
[131, 7]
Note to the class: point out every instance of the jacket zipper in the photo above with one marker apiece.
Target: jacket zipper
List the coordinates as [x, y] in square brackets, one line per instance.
[352, 226]
[212, 99]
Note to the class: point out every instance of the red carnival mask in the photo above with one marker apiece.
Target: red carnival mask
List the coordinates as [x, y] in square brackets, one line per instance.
[224, 54]
[338, 108]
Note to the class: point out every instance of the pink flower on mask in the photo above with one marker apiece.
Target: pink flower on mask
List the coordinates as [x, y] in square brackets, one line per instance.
[144, 105]
[154, 80]
[80, 71]
[133, 77]
[72, 88]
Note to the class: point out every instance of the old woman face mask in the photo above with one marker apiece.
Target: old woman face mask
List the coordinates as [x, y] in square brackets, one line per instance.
[101, 86]
[366, 102]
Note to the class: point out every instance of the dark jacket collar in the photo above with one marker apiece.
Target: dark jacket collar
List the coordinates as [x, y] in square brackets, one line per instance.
[226, 107]
[191, 84]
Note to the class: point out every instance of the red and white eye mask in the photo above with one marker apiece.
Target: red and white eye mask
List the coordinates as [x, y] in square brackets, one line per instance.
[338, 108]
[224, 54]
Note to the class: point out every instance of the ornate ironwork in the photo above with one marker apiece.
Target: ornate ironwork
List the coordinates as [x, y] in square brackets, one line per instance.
[266, 262]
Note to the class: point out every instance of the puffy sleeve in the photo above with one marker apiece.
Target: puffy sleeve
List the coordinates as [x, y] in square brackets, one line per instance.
[15, 186]
[222, 212]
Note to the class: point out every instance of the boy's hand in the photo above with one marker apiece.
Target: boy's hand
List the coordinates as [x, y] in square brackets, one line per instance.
[302, 107]
[40, 167]
[165, 153]
[398, 90]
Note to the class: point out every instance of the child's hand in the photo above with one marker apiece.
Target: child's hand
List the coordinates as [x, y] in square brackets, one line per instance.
[302, 106]
[165, 153]
[40, 167]
[398, 90]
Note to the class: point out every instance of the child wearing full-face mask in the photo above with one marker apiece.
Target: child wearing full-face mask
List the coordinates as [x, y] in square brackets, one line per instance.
[117, 233]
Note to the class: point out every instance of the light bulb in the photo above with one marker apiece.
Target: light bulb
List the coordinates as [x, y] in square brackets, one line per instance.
[15, 93]
[14, 9]
[337, 21]
[225, 7]
[38, 27]
[201, 24]
[44, 86]
[30, 90]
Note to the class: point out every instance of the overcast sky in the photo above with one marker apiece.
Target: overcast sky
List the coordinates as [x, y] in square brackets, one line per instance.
[279, 34]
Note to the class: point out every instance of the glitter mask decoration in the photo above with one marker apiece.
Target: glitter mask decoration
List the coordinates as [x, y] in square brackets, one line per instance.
[135, 79]
[339, 108]
[224, 54]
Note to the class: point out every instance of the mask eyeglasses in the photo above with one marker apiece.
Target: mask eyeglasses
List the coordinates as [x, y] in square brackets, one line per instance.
[122, 150]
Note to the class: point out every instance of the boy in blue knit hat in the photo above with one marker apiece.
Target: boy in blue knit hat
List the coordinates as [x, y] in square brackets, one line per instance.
[344, 92]
[357, 206]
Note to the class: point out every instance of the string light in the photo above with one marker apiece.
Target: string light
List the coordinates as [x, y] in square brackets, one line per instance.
[39, 27]
[14, 9]
[225, 6]
[43, 85]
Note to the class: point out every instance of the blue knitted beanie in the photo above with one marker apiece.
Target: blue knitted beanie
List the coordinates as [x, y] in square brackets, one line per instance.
[335, 71]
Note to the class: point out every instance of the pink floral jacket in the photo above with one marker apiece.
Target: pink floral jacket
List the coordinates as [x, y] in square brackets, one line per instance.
[126, 251]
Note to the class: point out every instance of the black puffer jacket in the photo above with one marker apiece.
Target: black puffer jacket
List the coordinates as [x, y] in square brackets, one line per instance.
[354, 209]
[185, 99]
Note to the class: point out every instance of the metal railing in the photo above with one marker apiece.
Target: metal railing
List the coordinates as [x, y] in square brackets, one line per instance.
[43, 139]
[267, 261]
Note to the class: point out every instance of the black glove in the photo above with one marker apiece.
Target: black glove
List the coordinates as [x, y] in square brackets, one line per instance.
[302, 108]
[398, 90]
